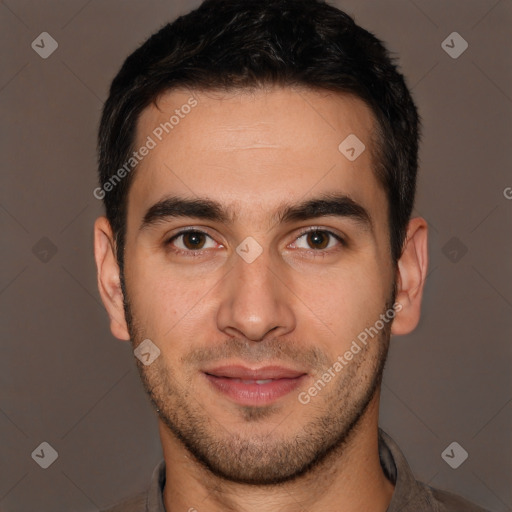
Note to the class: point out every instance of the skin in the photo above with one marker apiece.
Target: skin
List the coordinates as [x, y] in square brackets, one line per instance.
[297, 304]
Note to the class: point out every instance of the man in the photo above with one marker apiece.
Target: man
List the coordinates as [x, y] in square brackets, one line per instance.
[258, 164]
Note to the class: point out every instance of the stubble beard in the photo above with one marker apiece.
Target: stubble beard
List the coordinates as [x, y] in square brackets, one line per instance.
[267, 459]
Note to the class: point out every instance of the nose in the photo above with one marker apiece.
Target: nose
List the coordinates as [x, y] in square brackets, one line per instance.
[255, 302]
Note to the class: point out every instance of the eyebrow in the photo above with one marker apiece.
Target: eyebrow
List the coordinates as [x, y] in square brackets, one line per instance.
[338, 205]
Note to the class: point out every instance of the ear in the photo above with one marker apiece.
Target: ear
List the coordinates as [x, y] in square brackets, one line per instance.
[109, 282]
[412, 271]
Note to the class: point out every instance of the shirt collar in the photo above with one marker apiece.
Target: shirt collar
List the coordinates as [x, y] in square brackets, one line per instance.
[407, 490]
[155, 498]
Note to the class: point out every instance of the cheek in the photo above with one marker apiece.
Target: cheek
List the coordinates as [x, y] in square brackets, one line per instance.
[162, 300]
[346, 300]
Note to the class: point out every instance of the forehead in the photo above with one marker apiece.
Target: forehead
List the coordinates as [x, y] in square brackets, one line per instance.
[255, 147]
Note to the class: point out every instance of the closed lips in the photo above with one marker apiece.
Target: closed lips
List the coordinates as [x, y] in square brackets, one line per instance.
[249, 375]
[252, 381]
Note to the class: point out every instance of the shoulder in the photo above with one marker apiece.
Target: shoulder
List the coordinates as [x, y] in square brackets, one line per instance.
[135, 504]
[445, 501]
[411, 494]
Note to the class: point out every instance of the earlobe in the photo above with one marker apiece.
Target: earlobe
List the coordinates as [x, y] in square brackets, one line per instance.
[412, 271]
[109, 283]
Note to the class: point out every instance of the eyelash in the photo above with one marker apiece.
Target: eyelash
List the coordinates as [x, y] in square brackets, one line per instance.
[313, 252]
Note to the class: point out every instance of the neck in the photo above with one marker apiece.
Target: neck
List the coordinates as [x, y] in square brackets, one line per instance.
[334, 484]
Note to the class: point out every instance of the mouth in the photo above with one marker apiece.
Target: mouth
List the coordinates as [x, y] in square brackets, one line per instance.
[254, 386]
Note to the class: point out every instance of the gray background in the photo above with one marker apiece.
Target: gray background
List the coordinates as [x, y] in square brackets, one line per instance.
[65, 380]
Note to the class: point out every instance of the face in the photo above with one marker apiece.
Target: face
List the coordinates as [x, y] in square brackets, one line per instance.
[256, 253]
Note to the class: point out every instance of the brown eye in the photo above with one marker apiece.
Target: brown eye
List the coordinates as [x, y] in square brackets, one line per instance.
[194, 240]
[191, 241]
[318, 239]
